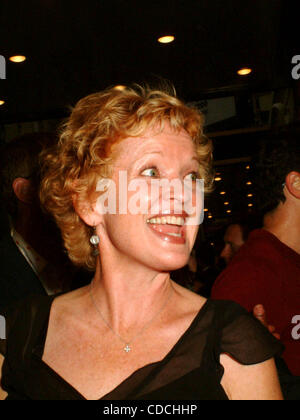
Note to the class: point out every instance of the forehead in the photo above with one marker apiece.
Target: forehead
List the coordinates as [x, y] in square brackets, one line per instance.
[166, 141]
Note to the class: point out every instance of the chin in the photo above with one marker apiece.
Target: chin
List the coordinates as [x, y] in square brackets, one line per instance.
[171, 263]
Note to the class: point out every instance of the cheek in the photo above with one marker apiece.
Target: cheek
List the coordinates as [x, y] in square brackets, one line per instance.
[191, 233]
[119, 227]
[131, 197]
[139, 199]
[121, 235]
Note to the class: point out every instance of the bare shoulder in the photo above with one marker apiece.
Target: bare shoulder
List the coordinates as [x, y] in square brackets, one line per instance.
[66, 321]
[68, 307]
[67, 300]
[250, 382]
[71, 297]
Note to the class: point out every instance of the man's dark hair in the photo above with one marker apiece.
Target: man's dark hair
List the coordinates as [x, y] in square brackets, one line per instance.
[278, 157]
[20, 159]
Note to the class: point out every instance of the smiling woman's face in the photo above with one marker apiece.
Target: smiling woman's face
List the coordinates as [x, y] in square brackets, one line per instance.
[160, 239]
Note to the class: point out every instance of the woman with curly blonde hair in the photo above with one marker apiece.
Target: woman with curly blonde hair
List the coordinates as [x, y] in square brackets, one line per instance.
[133, 333]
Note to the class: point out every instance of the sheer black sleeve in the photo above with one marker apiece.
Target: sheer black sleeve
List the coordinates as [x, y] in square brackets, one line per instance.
[246, 339]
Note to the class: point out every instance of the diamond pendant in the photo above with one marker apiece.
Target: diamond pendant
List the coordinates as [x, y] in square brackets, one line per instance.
[127, 348]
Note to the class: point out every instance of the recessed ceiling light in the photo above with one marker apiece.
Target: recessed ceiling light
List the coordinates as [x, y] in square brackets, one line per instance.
[2, 102]
[228, 211]
[250, 205]
[222, 192]
[218, 178]
[166, 39]
[244, 71]
[120, 87]
[226, 203]
[250, 195]
[249, 183]
[17, 58]
[205, 210]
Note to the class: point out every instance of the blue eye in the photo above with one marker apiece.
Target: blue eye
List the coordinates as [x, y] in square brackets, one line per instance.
[150, 172]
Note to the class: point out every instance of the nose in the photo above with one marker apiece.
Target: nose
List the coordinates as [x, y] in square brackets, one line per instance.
[172, 193]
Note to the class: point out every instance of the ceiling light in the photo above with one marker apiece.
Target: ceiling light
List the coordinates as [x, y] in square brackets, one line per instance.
[120, 87]
[205, 210]
[2, 102]
[17, 58]
[218, 178]
[166, 39]
[247, 167]
[244, 71]
[250, 205]
[250, 195]
[249, 183]
[222, 192]
[210, 216]
[226, 203]
[228, 211]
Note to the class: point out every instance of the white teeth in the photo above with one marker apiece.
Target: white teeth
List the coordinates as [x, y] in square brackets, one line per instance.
[170, 220]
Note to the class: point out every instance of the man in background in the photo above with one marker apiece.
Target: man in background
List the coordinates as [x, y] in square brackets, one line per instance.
[266, 270]
[32, 260]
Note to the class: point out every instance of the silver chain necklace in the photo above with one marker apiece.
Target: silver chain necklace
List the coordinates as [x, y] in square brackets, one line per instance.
[127, 347]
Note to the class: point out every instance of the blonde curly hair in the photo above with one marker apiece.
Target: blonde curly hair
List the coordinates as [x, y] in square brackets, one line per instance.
[84, 152]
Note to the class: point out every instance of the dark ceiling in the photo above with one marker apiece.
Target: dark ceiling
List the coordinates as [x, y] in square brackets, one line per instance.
[76, 48]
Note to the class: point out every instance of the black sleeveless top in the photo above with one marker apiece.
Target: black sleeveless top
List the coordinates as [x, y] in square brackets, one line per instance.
[190, 371]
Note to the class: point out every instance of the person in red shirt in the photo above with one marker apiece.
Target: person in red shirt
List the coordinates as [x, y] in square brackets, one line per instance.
[266, 270]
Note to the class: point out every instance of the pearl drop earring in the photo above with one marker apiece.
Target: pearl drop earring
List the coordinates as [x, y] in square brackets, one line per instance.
[95, 240]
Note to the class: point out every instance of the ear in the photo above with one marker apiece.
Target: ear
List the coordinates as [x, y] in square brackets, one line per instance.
[86, 211]
[24, 190]
[293, 184]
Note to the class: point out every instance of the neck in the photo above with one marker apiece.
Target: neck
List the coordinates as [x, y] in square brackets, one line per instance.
[284, 223]
[123, 291]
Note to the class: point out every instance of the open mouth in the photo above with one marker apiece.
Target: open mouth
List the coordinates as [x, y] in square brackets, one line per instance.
[168, 227]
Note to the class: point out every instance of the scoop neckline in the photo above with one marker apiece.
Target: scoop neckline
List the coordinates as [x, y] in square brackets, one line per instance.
[38, 351]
